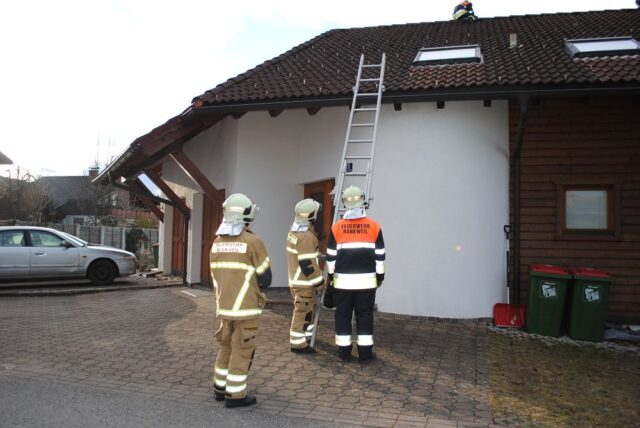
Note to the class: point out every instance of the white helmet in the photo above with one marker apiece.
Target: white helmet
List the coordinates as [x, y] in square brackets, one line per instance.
[307, 211]
[353, 197]
[239, 208]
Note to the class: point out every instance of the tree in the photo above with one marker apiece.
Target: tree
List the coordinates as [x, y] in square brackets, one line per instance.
[24, 198]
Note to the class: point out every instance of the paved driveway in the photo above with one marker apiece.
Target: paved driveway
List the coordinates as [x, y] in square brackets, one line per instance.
[160, 343]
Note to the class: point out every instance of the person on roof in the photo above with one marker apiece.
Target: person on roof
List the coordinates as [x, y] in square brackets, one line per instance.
[464, 12]
[240, 269]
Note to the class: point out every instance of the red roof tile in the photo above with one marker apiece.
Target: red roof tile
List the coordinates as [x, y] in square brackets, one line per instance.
[327, 64]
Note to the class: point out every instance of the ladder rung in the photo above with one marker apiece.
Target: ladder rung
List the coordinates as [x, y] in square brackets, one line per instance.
[355, 174]
[360, 141]
[364, 109]
[357, 157]
[362, 124]
[365, 94]
[370, 79]
[372, 66]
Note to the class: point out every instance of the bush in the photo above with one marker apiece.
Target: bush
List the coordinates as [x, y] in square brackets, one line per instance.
[132, 243]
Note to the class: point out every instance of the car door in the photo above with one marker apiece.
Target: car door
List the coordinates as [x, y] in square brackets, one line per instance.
[49, 256]
[14, 254]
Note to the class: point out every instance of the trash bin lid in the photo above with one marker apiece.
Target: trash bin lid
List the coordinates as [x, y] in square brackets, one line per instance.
[549, 270]
[590, 273]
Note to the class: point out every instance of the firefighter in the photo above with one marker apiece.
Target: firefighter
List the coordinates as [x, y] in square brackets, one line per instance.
[304, 273]
[240, 269]
[355, 264]
[464, 12]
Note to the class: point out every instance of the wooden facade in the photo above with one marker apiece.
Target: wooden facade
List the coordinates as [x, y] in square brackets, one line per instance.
[582, 143]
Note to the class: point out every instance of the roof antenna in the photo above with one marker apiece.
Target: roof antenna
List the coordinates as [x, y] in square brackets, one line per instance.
[464, 12]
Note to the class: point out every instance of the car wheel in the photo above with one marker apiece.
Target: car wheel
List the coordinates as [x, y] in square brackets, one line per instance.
[102, 272]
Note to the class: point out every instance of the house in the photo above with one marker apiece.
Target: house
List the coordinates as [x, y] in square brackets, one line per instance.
[75, 200]
[527, 121]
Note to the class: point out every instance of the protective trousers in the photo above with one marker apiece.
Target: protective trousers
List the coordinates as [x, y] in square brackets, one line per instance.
[361, 302]
[302, 320]
[237, 341]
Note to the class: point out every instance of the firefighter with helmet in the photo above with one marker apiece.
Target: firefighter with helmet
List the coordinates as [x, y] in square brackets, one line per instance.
[240, 269]
[355, 264]
[305, 275]
[464, 12]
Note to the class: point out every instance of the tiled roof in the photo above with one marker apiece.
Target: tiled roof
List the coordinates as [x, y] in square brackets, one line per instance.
[4, 160]
[327, 65]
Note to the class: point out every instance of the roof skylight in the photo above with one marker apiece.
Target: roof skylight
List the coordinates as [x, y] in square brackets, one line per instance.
[448, 55]
[578, 48]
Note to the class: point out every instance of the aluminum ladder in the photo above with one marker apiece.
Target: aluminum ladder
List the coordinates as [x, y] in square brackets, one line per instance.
[356, 165]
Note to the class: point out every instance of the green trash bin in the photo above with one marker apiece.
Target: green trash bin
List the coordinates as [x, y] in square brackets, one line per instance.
[546, 297]
[589, 304]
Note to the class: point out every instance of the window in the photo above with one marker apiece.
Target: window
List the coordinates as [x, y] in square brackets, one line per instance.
[588, 210]
[448, 55]
[45, 239]
[578, 48]
[12, 238]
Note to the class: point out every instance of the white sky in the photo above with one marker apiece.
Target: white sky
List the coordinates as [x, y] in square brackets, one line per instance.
[80, 80]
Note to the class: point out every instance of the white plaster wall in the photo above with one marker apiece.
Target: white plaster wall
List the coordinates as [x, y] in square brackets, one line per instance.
[195, 239]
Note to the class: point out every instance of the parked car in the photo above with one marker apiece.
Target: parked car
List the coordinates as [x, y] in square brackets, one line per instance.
[29, 252]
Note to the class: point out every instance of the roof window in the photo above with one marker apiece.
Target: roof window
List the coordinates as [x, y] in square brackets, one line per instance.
[579, 48]
[448, 55]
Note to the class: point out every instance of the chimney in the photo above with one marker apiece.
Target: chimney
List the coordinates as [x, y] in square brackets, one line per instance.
[93, 172]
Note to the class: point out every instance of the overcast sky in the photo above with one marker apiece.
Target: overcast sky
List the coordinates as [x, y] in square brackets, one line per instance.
[80, 80]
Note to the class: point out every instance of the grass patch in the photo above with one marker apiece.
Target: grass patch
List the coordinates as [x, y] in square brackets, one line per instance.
[561, 385]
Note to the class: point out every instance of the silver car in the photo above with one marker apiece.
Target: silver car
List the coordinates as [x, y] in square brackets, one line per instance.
[28, 252]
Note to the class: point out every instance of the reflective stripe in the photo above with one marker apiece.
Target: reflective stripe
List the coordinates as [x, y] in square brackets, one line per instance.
[459, 13]
[231, 265]
[380, 251]
[310, 327]
[379, 266]
[243, 291]
[331, 266]
[302, 282]
[240, 313]
[355, 281]
[232, 389]
[331, 252]
[295, 334]
[343, 340]
[220, 383]
[348, 245]
[298, 341]
[365, 340]
[292, 250]
[263, 267]
[308, 256]
[221, 372]
[236, 378]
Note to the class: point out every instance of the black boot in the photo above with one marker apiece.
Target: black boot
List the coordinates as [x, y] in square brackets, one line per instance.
[240, 402]
[219, 396]
[345, 353]
[306, 350]
[365, 354]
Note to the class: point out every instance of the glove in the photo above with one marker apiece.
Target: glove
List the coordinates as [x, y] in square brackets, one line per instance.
[379, 279]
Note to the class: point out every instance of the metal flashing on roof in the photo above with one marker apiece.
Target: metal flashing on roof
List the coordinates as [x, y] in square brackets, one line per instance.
[596, 47]
[448, 55]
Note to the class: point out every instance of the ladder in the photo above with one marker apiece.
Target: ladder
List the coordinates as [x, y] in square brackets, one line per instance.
[356, 165]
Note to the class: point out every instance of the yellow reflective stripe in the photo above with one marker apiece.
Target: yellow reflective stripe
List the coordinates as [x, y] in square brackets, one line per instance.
[296, 334]
[232, 389]
[314, 281]
[308, 256]
[231, 265]
[241, 313]
[236, 378]
[297, 341]
[222, 372]
[263, 267]
[292, 250]
[243, 291]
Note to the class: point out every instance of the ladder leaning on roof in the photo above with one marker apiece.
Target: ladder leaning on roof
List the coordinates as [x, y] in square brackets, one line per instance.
[356, 165]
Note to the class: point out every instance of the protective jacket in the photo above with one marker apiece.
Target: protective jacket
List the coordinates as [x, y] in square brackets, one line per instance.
[356, 254]
[240, 268]
[302, 259]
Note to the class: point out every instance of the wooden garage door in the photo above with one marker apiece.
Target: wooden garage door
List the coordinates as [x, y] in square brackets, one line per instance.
[177, 243]
[319, 191]
[211, 218]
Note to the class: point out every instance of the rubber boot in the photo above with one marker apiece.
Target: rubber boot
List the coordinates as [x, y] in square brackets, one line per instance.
[306, 350]
[345, 353]
[219, 396]
[365, 354]
[240, 402]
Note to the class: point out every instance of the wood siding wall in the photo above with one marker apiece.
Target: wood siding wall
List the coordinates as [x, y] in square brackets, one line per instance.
[582, 140]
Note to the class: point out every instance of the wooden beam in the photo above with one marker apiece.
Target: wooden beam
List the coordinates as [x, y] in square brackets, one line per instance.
[142, 189]
[313, 110]
[192, 170]
[275, 113]
[162, 185]
[238, 115]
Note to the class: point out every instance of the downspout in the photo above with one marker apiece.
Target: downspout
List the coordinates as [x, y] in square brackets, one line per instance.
[522, 124]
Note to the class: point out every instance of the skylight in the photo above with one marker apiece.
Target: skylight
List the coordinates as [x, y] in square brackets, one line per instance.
[602, 47]
[448, 55]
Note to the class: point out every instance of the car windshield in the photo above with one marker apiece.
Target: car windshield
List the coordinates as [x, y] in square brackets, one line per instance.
[73, 239]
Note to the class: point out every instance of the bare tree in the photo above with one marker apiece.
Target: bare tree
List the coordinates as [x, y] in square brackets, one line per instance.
[24, 198]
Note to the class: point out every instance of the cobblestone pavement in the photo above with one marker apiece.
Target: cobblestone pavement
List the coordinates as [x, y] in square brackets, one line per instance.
[160, 342]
